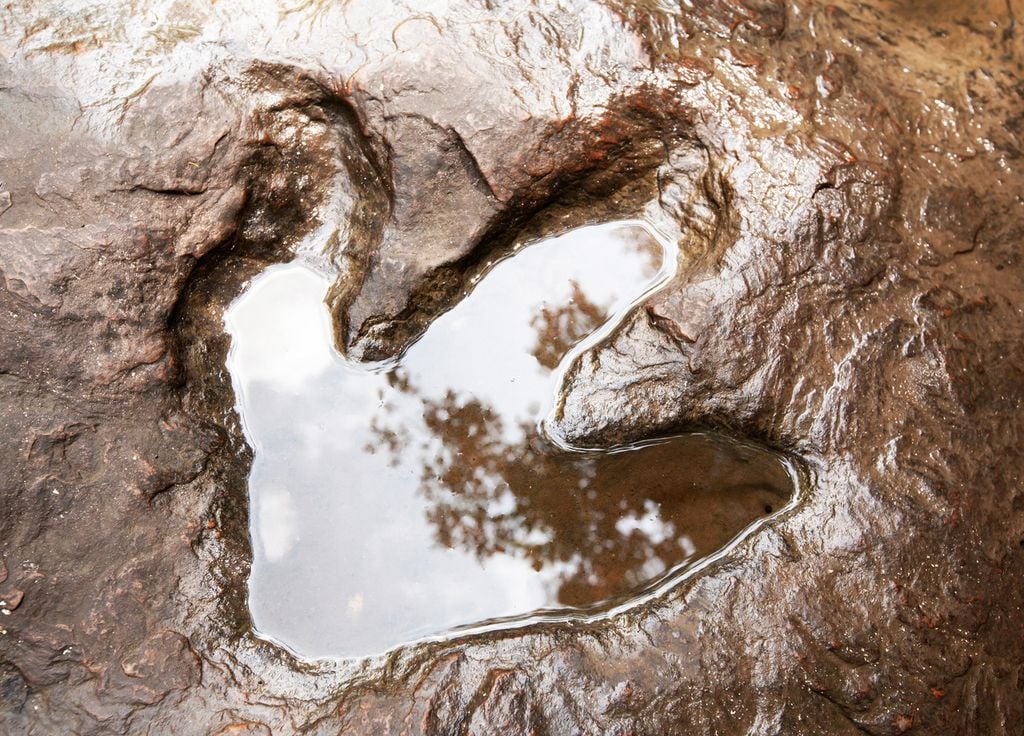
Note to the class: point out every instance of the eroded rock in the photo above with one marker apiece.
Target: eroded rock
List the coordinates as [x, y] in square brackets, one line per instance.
[845, 184]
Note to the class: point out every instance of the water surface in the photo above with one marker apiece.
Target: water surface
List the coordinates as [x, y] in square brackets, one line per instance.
[396, 503]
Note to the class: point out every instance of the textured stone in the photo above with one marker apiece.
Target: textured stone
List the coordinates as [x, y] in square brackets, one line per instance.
[845, 183]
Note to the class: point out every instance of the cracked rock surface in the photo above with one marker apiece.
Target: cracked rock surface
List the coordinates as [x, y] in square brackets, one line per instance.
[846, 185]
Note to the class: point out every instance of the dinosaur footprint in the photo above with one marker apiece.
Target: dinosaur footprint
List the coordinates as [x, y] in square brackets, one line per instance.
[393, 503]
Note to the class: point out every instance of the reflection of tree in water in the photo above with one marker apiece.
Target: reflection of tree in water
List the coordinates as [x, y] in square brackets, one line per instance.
[603, 524]
[610, 521]
[394, 439]
[488, 497]
[558, 329]
[607, 522]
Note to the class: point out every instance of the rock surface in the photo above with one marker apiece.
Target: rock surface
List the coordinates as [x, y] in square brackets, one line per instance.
[847, 187]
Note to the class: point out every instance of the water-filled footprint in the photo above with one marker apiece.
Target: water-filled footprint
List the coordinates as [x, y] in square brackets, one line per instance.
[395, 503]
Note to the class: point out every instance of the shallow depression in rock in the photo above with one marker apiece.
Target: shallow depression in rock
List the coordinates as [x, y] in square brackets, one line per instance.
[392, 504]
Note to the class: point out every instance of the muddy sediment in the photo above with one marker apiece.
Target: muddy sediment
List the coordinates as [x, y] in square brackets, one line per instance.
[844, 185]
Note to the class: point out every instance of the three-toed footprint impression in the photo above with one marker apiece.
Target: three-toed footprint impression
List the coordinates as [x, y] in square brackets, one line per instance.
[393, 504]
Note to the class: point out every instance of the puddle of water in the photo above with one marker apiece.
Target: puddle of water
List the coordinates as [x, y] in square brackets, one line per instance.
[394, 503]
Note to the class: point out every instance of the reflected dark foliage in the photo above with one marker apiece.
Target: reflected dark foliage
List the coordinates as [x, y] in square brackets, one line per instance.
[606, 524]
[559, 328]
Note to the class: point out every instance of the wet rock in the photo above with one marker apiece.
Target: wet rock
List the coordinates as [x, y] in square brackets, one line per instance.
[844, 181]
[13, 693]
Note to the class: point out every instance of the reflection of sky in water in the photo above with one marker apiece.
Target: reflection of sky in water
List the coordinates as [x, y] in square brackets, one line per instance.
[392, 505]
